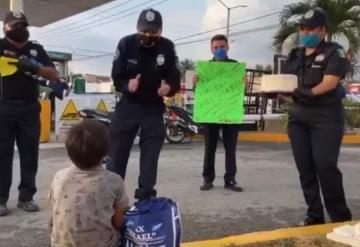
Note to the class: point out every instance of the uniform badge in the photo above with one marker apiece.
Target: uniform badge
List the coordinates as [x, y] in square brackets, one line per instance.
[9, 53]
[160, 60]
[315, 66]
[132, 61]
[150, 16]
[320, 58]
[17, 14]
[309, 14]
[341, 52]
[33, 52]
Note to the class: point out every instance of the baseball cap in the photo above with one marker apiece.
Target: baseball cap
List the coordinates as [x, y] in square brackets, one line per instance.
[314, 18]
[13, 18]
[149, 20]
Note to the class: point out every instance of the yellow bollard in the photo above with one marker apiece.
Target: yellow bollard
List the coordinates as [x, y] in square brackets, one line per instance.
[45, 118]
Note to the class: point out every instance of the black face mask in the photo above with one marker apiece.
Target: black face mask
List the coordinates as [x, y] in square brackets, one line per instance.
[19, 35]
[148, 41]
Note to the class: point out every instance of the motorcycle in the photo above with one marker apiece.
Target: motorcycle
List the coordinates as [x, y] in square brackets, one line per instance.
[101, 116]
[179, 124]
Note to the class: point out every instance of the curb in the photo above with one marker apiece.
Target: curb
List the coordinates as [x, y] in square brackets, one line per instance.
[266, 236]
[278, 137]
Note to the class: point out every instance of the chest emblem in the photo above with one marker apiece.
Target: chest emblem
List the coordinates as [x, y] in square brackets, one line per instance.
[320, 58]
[33, 52]
[160, 60]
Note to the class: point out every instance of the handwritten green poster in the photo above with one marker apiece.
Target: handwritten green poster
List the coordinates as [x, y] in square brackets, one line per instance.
[219, 93]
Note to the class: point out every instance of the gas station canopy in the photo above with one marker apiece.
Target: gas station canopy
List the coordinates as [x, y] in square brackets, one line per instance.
[44, 12]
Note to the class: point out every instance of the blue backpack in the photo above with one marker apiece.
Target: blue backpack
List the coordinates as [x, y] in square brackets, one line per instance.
[152, 223]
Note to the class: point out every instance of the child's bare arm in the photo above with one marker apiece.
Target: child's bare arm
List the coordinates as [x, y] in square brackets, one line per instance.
[118, 218]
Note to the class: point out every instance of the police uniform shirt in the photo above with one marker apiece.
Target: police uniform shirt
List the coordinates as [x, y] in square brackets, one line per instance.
[22, 85]
[153, 64]
[328, 59]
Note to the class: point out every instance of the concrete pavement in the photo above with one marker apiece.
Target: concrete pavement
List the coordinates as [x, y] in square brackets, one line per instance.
[272, 196]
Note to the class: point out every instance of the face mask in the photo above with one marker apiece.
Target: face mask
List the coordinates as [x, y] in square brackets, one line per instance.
[148, 41]
[310, 41]
[18, 35]
[220, 53]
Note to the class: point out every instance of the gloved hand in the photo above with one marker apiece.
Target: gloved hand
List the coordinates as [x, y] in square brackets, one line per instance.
[302, 95]
[24, 64]
[59, 88]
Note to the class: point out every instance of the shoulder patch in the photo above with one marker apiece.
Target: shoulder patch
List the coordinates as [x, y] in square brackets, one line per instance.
[341, 52]
[117, 54]
[177, 63]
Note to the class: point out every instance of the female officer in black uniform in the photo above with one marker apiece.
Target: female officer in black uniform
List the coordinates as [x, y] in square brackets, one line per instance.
[316, 118]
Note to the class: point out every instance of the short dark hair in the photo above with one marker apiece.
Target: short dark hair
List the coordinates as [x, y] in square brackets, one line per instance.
[87, 143]
[219, 37]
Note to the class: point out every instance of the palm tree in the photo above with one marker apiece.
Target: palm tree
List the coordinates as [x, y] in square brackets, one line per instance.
[186, 64]
[343, 19]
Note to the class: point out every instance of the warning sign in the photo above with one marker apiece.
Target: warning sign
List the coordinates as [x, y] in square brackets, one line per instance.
[70, 112]
[102, 106]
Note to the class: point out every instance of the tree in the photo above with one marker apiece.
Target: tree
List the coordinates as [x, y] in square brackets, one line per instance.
[261, 68]
[268, 68]
[186, 64]
[343, 19]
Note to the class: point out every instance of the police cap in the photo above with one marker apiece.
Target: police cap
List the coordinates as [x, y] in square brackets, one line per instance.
[314, 18]
[149, 20]
[13, 17]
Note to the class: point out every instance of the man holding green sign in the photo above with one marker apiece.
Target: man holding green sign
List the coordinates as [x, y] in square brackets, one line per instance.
[219, 99]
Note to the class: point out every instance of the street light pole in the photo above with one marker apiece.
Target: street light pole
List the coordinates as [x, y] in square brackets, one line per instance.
[228, 9]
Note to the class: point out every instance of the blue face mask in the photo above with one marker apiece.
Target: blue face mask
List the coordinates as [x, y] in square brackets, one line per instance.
[310, 40]
[220, 53]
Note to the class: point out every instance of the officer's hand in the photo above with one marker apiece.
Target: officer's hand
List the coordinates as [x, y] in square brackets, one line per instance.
[164, 89]
[25, 64]
[302, 94]
[134, 84]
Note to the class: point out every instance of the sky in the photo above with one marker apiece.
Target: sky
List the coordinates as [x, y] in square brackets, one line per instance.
[97, 32]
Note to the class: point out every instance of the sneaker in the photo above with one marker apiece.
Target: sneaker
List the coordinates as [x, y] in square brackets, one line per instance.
[206, 186]
[28, 206]
[232, 185]
[310, 221]
[3, 210]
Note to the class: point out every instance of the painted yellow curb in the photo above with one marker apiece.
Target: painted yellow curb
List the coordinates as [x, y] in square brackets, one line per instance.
[263, 137]
[251, 238]
[278, 137]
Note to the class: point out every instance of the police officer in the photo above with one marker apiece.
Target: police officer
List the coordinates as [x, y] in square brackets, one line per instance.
[19, 109]
[145, 70]
[219, 48]
[316, 118]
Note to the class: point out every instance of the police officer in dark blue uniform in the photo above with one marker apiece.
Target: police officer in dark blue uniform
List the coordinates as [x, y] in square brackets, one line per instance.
[19, 109]
[144, 71]
[316, 118]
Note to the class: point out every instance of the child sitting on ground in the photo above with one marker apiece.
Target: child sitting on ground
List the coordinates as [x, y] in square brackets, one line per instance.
[88, 202]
